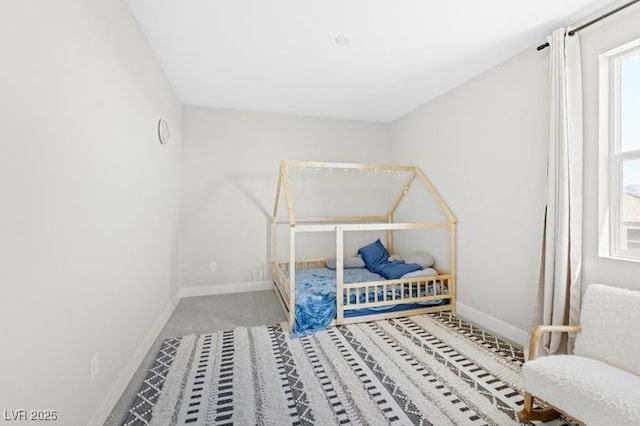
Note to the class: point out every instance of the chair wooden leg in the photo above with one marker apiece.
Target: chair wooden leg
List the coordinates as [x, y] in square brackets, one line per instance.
[528, 402]
[529, 413]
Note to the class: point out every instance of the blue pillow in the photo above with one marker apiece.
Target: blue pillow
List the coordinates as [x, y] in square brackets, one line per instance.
[374, 254]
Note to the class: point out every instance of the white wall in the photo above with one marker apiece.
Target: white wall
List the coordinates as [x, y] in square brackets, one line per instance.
[484, 145]
[230, 163]
[90, 203]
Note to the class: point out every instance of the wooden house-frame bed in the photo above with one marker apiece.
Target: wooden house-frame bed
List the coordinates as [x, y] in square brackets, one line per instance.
[409, 295]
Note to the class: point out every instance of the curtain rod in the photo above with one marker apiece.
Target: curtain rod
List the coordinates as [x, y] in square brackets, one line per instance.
[593, 21]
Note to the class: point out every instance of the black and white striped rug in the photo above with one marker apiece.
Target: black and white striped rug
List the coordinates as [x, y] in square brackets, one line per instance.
[422, 370]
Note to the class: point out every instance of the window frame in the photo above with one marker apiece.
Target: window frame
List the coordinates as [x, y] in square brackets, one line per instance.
[610, 243]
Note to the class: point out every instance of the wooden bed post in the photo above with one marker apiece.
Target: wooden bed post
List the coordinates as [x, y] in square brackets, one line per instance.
[339, 274]
[278, 184]
[292, 276]
[284, 172]
[452, 234]
[452, 264]
[284, 179]
[390, 235]
[274, 220]
[274, 255]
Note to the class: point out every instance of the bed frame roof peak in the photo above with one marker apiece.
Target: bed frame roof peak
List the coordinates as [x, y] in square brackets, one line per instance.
[414, 172]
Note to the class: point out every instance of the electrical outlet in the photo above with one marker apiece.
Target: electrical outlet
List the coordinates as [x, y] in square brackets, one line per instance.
[95, 365]
[212, 267]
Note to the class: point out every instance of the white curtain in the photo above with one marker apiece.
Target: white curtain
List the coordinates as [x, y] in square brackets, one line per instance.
[558, 295]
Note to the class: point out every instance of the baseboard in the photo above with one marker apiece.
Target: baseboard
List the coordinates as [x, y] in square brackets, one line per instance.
[210, 290]
[103, 411]
[495, 325]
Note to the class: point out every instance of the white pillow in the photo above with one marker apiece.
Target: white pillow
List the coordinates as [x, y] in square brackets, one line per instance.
[350, 262]
[422, 258]
[427, 272]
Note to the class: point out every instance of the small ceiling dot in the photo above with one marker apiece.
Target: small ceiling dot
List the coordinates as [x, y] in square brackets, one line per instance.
[343, 39]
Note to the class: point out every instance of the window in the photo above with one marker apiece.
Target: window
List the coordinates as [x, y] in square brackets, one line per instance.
[620, 152]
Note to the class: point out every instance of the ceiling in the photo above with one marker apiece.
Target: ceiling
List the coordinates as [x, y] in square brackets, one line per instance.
[282, 56]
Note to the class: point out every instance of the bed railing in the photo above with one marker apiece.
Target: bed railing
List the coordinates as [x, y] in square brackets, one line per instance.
[363, 295]
[285, 276]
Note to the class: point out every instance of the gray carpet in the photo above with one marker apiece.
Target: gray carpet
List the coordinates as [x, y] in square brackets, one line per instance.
[198, 315]
[429, 370]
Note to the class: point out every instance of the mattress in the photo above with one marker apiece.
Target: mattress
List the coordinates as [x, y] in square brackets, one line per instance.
[315, 304]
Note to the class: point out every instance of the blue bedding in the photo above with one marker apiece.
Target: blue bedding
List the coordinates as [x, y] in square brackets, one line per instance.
[376, 258]
[393, 308]
[316, 296]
